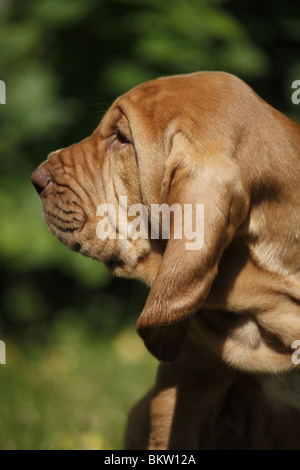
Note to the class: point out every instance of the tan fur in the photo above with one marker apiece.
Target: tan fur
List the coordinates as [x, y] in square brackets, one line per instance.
[224, 317]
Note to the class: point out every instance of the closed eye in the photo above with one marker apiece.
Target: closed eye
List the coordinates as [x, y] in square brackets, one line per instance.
[122, 139]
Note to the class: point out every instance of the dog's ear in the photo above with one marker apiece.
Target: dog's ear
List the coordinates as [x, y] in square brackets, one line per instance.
[194, 179]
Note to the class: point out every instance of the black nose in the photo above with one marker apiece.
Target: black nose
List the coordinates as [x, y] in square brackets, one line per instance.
[40, 178]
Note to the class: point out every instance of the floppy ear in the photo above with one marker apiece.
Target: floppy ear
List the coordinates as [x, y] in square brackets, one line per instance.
[192, 176]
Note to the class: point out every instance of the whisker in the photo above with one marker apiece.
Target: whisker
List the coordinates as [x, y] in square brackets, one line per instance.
[94, 112]
[97, 104]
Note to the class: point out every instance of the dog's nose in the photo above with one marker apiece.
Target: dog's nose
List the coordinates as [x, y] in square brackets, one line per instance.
[40, 178]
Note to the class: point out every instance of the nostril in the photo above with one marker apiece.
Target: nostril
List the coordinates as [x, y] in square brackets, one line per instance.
[40, 178]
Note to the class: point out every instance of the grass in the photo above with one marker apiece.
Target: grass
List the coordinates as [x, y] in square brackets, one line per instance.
[73, 391]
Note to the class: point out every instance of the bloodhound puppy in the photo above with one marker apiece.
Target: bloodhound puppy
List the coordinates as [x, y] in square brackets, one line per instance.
[222, 319]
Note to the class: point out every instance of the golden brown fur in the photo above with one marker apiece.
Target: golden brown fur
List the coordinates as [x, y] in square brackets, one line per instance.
[221, 319]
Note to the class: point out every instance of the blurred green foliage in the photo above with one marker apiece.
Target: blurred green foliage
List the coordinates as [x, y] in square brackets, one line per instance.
[74, 391]
[64, 62]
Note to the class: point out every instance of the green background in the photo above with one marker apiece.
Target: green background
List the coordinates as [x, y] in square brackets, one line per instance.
[75, 365]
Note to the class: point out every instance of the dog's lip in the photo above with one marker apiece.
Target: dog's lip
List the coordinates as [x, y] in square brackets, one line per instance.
[76, 247]
[114, 262]
[66, 226]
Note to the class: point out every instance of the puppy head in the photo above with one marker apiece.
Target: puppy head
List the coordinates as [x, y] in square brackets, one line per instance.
[171, 141]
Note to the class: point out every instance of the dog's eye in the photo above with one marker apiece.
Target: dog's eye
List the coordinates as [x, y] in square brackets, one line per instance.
[122, 139]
